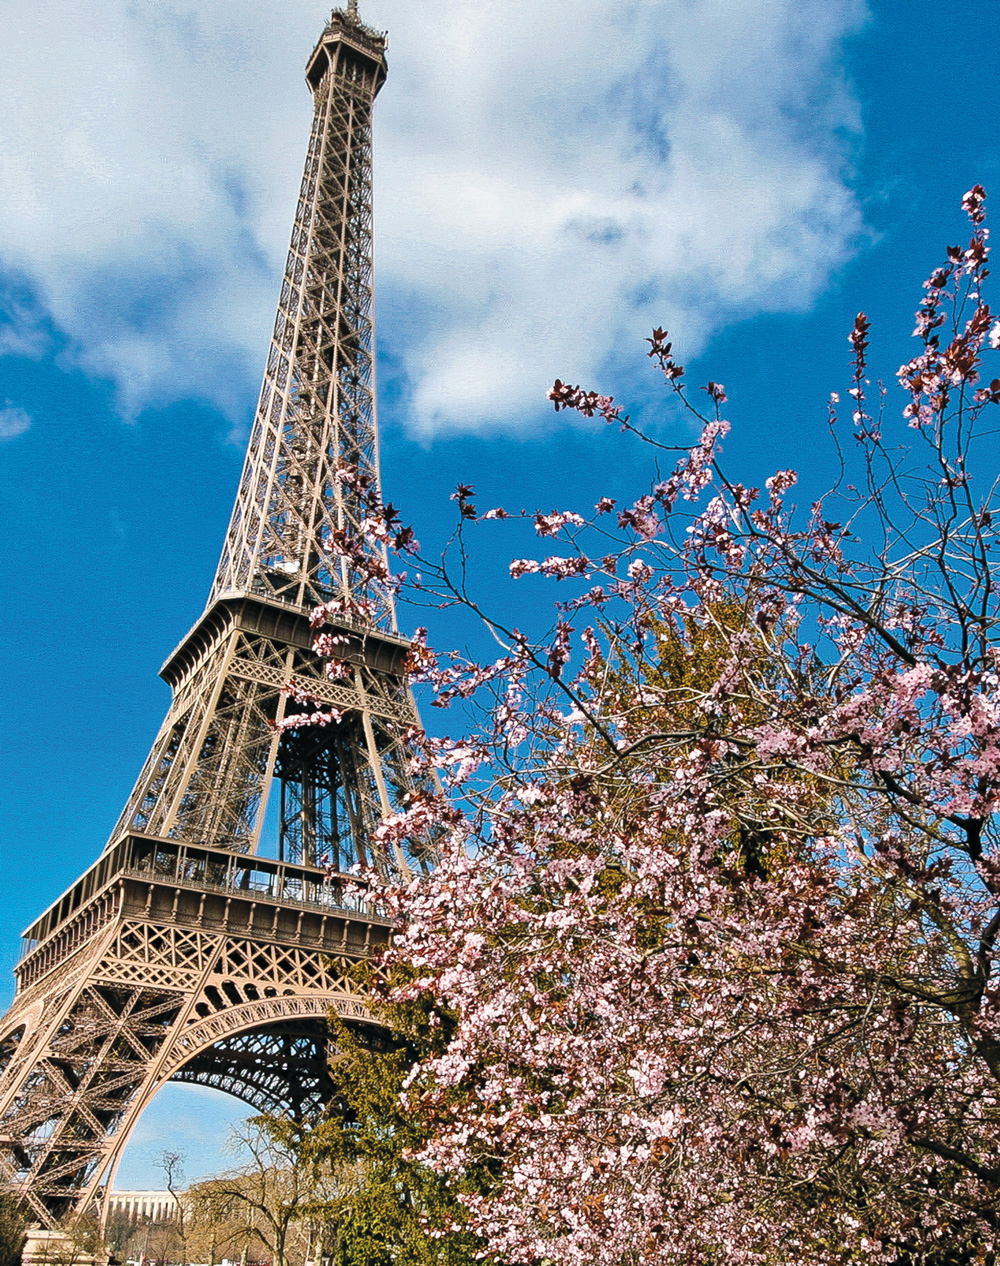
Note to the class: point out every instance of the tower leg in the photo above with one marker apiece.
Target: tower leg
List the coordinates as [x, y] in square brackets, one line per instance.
[246, 1014]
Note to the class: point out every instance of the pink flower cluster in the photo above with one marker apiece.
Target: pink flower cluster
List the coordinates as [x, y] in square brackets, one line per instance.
[716, 901]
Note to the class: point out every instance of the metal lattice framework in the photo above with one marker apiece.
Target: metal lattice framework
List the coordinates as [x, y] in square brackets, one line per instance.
[316, 413]
[214, 935]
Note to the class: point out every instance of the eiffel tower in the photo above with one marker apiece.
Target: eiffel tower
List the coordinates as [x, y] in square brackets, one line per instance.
[213, 936]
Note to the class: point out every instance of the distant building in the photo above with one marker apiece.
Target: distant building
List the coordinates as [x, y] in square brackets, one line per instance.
[144, 1206]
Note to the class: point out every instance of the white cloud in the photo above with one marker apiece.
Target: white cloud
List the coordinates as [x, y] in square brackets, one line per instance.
[13, 422]
[22, 323]
[554, 177]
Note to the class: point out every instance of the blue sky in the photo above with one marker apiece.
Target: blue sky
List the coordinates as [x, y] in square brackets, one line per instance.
[552, 180]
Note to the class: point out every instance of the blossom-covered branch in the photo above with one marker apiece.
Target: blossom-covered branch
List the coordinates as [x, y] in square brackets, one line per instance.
[717, 900]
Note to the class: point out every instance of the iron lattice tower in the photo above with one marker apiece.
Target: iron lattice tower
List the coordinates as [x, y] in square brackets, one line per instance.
[213, 936]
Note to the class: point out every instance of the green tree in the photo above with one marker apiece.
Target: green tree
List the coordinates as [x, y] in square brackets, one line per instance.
[12, 1225]
[393, 1210]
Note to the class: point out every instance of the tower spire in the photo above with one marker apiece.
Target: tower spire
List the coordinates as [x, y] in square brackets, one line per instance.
[214, 935]
[316, 415]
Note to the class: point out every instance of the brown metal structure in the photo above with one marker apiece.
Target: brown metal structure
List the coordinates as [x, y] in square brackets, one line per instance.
[212, 937]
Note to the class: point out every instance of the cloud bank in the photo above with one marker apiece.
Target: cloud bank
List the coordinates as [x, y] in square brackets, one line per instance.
[553, 178]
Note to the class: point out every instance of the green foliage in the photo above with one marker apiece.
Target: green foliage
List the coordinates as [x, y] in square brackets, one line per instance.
[12, 1224]
[394, 1211]
[688, 659]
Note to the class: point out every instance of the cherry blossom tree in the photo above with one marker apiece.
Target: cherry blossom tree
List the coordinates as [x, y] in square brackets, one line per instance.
[716, 893]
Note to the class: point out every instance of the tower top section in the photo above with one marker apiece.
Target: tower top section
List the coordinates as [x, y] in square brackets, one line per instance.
[299, 531]
[350, 47]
